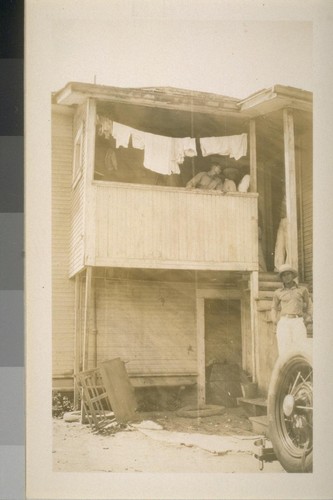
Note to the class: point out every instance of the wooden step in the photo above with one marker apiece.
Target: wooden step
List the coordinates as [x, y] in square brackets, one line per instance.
[254, 407]
[265, 294]
[269, 277]
[259, 425]
[269, 285]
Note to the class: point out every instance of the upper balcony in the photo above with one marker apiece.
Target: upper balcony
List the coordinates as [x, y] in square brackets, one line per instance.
[146, 226]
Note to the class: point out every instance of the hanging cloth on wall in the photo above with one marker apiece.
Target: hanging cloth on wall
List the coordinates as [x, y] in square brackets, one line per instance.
[234, 146]
[104, 126]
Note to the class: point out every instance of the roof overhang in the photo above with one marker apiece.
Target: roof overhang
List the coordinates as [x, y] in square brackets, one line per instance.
[170, 111]
[276, 98]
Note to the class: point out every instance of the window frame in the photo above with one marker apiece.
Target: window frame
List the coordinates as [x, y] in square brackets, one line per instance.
[78, 156]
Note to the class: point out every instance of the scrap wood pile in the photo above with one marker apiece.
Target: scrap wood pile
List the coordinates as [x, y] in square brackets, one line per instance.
[108, 399]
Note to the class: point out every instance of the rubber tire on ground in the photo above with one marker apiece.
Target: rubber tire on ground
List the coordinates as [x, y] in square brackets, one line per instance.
[290, 461]
[200, 411]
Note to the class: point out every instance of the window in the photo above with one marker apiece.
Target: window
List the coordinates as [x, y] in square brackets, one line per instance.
[78, 156]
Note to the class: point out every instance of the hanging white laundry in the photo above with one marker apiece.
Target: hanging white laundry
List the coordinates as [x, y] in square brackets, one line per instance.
[184, 146]
[234, 146]
[159, 154]
[104, 126]
[122, 134]
[138, 139]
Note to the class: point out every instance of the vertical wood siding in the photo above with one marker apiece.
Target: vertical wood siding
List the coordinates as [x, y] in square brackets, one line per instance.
[149, 325]
[305, 184]
[246, 333]
[62, 287]
[267, 351]
[144, 226]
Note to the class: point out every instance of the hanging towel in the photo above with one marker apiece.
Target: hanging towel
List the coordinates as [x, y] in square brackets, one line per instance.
[138, 139]
[184, 146]
[234, 146]
[159, 154]
[122, 134]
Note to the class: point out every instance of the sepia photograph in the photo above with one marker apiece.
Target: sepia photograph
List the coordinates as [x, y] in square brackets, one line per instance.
[171, 224]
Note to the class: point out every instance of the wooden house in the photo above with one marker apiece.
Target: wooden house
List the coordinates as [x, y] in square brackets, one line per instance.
[167, 278]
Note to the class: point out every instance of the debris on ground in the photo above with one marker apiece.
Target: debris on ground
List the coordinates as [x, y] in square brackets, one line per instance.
[147, 424]
[195, 411]
[218, 445]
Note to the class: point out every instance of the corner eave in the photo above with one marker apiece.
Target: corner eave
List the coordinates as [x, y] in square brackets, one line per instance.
[274, 99]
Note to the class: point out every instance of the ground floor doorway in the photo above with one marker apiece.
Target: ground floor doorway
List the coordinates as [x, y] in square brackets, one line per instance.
[223, 351]
[223, 338]
[219, 334]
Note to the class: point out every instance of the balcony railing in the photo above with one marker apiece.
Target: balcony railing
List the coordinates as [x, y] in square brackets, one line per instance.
[160, 227]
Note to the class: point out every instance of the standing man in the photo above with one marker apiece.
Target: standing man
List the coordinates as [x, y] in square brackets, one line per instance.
[291, 311]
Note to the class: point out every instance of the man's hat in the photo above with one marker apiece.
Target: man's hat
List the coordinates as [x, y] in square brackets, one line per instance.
[286, 268]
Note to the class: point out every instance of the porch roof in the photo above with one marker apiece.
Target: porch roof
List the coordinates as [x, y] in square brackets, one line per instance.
[181, 112]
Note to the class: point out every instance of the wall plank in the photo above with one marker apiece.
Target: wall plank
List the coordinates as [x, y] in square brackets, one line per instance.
[63, 288]
[149, 226]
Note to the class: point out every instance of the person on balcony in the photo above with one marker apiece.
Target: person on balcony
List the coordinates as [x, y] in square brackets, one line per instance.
[231, 180]
[291, 311]
[208, 180]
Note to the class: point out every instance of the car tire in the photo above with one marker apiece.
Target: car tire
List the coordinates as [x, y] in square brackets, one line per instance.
[290, 420]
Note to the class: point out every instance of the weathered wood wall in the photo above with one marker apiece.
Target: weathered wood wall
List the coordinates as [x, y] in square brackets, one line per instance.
[151, 226]
[149, 325]
[62, 287]
[305, 204]
[267, 350]
[77, 242]
[246, 333]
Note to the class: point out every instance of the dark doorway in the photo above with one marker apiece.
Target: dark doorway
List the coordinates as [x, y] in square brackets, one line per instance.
[223, 339]
[223, 351]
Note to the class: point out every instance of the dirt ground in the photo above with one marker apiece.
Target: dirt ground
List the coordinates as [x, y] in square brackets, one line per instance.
[183, 445]
[232, 421]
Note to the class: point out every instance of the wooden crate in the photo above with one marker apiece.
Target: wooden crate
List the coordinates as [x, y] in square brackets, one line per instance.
[95, 402]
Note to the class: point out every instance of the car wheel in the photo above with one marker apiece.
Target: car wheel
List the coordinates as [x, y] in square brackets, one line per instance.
[290, 411]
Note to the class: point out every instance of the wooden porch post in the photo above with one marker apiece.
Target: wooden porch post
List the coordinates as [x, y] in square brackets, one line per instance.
[253, 157]
[78, 348]
[254, 291]
[87, 296]
[291, 192]
[201, 350]
[94, 323]
[254, 276]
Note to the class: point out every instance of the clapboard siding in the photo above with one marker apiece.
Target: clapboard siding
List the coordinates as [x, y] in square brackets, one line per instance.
[63, 289]
[77, 245]
[305, 185]
[150, 226]
[151, 326]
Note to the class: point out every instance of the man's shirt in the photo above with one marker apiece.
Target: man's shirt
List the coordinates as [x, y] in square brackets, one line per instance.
[205, 181]
[294, 300]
